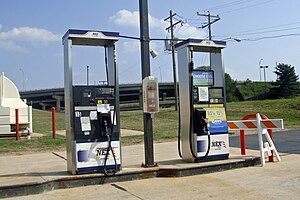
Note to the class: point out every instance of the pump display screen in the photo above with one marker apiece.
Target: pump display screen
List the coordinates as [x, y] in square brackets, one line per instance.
[215, 92]
[203, 78]
[103, 91]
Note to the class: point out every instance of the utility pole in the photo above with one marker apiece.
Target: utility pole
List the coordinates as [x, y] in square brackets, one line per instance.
[145, 59]
[211, 19]
[171, 29]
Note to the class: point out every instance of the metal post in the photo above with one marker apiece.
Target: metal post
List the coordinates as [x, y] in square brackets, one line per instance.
[30, 118]
[265, 77]
[53, 123]
[243, 142]
[145, 59]
[87, 75]
[259, 64]
[17, 124]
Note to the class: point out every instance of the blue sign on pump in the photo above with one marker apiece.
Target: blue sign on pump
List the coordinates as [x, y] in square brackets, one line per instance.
[217, 122]
[203, 78]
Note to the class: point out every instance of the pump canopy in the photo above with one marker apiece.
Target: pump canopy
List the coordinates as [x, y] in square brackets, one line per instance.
[91, 37]
[201, 45]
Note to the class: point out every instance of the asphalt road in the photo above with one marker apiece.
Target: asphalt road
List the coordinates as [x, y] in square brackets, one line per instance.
[285, 141]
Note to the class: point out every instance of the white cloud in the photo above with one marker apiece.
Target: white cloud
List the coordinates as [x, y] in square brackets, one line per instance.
[188, 31]
[9, 40]
[129, 19]
[126, 18]
[29, 34]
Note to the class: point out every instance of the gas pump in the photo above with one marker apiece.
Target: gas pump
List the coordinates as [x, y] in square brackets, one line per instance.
[203, 131]
[92, 116]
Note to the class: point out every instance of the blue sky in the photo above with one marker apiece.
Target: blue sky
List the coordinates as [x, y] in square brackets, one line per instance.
[31, 50]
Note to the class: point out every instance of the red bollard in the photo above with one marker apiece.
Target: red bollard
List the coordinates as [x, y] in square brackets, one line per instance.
[53, 123]
[17, 124]
[242, 142]
[242, 134]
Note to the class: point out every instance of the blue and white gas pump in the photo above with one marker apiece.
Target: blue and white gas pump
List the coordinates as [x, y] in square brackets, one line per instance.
[92, 117]
[203, 127]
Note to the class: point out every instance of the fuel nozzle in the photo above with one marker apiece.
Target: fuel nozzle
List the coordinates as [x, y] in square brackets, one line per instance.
[105, 127]
[205, 122]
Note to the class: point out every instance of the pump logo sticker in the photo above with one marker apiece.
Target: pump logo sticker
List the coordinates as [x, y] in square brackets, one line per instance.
[218, 144]
[101, 153]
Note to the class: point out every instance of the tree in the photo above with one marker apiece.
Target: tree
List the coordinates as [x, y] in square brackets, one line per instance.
[286, 82]
[230, 86]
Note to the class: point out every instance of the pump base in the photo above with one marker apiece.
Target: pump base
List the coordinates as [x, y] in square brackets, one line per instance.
[212, 158]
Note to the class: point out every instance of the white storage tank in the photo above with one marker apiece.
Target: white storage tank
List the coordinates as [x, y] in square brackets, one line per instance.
[9, 101]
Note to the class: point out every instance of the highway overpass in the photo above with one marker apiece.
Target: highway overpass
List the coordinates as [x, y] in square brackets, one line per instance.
[130, 97]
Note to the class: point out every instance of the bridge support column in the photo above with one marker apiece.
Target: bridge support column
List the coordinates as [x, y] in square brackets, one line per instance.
[44, 105]
[58, 102]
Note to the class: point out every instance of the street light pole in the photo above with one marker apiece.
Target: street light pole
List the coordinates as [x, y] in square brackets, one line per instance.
[259, 64]
[87, 75]
[265, 79]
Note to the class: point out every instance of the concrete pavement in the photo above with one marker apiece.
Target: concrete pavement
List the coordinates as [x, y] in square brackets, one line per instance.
[41, 172]
[279, 180]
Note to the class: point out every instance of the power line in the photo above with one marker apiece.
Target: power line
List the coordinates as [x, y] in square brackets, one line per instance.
[271, 37]
[230, 4]
[257, 29]
[250, 6]
[263, 32]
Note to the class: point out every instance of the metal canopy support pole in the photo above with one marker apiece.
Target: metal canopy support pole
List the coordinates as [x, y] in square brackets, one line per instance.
[69, 105]
[113, 79]
[145, 59]
[216, 63]
[111, 57]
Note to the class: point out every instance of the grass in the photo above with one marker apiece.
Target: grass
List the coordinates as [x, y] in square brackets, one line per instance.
[42, 123]
[165, 124]
[250, 89]
[286, 109]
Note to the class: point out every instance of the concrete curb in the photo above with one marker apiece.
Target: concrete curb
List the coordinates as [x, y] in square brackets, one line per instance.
[98, 179]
